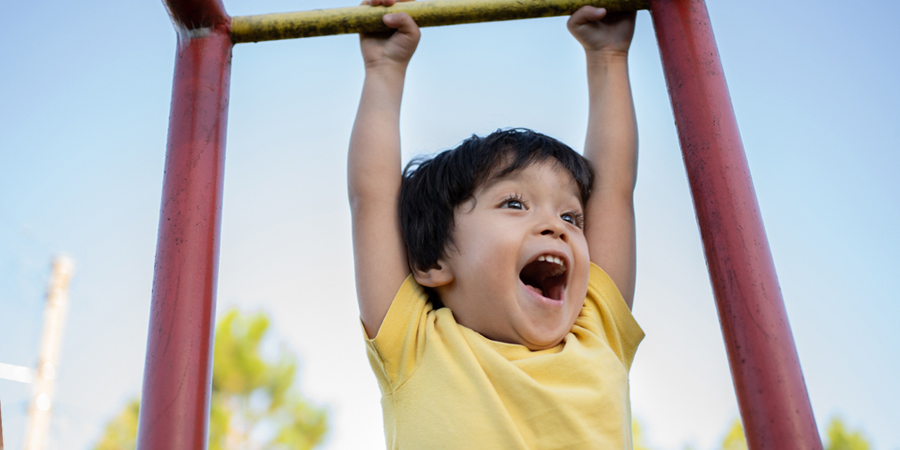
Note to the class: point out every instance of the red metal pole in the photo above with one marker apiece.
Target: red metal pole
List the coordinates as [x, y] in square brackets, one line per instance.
[774, 404]
[178, 368]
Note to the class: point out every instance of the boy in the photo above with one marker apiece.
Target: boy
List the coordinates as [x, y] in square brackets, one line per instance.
[508, 232]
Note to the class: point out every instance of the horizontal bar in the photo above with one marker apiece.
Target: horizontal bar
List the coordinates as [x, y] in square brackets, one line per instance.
[429, 13]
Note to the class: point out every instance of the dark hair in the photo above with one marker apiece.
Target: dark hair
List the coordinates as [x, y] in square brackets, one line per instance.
[433, 186]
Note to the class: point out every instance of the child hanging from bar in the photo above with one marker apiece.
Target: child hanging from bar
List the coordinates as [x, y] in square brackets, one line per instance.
[495, 280]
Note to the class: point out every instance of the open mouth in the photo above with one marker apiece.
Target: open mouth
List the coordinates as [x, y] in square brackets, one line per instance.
[546, 275]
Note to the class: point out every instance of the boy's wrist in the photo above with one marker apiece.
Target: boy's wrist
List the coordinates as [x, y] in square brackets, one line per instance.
[601, 62]
[386, 67]
[606, 56]
[385, 81]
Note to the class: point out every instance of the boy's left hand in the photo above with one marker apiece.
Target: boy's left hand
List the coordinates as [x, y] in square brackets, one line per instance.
[394, 47]
[599, 30]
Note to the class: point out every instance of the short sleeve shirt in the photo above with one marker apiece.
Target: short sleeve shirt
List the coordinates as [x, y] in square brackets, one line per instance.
[445, 386]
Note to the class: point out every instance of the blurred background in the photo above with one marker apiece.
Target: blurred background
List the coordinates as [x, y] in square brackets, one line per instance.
[85, 89]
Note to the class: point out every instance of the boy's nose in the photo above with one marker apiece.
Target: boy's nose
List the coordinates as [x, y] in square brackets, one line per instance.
[554, 230]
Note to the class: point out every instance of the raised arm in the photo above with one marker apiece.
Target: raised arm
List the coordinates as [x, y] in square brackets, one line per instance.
[373, 169]
[611, 143]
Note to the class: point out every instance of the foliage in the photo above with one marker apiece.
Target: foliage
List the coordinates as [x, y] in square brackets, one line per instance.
[734, 439]
[839, 438]
[638, 440]
[121, 432]
[253, 404]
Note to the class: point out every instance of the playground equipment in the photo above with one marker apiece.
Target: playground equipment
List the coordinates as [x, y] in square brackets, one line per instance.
[772, 396]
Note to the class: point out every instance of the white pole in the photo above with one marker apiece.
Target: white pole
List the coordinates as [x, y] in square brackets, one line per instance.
[54, 318]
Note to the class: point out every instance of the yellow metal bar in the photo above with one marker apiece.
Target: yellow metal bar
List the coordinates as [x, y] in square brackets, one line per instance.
[428, 13]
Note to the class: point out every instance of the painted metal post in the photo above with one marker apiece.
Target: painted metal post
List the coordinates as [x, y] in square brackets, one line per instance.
[772, 396]
[178, 369]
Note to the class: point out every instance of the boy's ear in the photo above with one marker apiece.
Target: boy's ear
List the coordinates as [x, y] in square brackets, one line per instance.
[439, 275]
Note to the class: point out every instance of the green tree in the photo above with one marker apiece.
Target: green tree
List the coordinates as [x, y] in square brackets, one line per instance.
[840, 438]
[253, 403]
[121, 431]
[734, 439]
[637, 432]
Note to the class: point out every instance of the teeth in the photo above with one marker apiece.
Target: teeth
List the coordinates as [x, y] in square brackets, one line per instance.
[555, 260]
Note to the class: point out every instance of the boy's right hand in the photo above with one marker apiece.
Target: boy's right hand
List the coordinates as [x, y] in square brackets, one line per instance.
[600, 31]
[395, 47]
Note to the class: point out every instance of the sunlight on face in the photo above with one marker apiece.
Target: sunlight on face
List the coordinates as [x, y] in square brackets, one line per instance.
[519, 261]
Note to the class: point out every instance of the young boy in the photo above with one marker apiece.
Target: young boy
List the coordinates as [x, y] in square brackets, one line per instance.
[489, 321]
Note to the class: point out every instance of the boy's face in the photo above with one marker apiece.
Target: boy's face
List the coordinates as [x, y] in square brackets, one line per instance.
[517, 270]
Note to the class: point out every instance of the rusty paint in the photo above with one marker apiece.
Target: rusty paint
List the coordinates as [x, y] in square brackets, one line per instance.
[432, 13]
[774, 403]
[178, 366]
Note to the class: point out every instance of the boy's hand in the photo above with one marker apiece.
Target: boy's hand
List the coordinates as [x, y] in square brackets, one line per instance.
[600, 31]
[396, 47]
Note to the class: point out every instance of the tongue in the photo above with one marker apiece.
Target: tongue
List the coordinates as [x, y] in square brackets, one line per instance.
[534, 289]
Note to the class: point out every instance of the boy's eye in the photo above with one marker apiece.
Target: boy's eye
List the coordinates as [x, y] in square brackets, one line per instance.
[514, 201]
[573, 218]
[513, 204]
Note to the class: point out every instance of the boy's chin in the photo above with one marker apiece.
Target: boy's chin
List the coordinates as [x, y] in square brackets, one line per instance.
[538, 347]
[544, 341]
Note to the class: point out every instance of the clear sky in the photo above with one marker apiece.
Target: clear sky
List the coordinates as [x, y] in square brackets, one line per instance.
[85, 89]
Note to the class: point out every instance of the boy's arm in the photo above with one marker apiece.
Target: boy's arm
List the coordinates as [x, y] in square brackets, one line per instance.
[611, 143]
[373, 169]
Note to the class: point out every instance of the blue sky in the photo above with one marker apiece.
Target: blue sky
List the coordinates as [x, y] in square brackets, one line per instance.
[84, 99]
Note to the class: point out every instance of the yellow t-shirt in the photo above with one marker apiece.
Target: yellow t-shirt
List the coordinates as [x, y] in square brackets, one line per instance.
[445, 386]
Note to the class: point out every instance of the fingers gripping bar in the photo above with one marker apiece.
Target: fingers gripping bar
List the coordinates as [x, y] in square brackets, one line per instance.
[429, 13]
